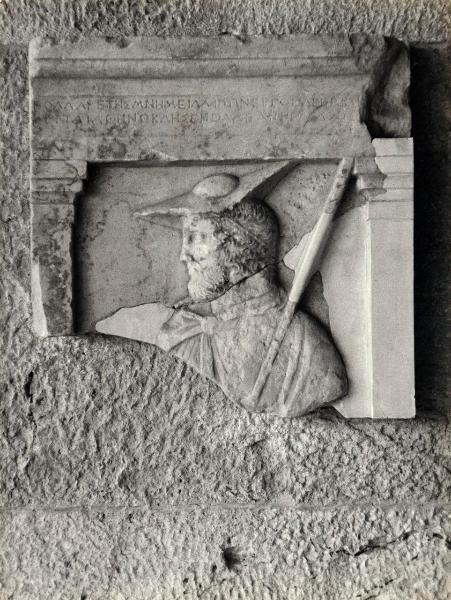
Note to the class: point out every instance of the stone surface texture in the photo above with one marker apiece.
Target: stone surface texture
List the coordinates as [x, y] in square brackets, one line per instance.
[127, 476]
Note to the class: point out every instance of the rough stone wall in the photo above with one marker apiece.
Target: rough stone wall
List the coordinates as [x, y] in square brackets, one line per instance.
[126, 476]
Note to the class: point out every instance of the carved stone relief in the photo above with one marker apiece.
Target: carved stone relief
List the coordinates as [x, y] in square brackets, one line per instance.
[226, 202]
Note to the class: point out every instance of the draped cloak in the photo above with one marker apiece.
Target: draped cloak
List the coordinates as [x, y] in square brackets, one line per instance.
[229, 344]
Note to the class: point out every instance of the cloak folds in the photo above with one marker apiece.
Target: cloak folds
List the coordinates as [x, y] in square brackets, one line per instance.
[229, 344]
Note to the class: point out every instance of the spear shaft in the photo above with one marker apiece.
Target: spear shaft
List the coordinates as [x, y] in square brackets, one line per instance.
[305, 268]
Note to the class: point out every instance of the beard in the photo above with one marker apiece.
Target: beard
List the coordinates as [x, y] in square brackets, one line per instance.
[206, 283]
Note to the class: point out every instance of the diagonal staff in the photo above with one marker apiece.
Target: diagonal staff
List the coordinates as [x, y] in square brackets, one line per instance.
[307, 265]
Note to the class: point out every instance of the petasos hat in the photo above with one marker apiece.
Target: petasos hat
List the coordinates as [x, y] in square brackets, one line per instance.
[220, 191]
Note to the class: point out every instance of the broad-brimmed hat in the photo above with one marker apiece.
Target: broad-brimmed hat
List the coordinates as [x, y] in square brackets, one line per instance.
[220, 191]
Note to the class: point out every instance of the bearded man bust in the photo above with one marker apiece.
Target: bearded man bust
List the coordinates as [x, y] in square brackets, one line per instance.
[223, 330]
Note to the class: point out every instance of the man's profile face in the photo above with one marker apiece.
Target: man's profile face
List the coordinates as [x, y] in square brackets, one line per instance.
[207, 276]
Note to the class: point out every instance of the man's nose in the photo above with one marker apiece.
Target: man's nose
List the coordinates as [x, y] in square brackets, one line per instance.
[185, 254]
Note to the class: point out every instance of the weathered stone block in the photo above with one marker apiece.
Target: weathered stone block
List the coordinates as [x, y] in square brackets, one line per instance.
[57, 391]
[223, 553]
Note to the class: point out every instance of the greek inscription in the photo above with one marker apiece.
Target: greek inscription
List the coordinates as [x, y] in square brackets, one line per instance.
[185, 110]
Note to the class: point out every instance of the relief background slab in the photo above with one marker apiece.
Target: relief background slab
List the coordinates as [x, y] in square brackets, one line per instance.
[125, 261]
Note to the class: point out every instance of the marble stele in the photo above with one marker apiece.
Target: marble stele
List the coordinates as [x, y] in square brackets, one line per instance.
[245, 205]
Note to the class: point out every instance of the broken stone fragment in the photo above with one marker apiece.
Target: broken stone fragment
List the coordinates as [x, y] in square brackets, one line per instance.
[385, 106]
